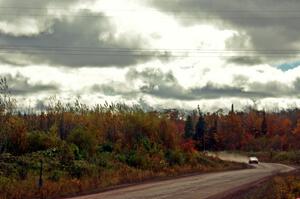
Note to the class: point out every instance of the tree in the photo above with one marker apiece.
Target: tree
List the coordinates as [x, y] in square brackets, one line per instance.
[212, 136]
[232, 109]
[296, 136]
[264, 127]
[61, 127]
[7, 103]
[3, 94]
[200, 131]
[188, 128]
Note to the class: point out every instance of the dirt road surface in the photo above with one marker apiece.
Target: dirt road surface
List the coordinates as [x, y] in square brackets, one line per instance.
[193, 187]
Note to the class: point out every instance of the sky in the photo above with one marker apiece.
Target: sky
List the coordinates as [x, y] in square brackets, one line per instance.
[156, 53]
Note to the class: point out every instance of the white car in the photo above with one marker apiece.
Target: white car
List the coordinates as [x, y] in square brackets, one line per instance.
[253, 160]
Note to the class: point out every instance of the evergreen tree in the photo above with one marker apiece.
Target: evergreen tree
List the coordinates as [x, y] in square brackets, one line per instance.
[264, 127]
[232, 109]
[188, 128]
[200, 132]
[212, 136]
[61, 128]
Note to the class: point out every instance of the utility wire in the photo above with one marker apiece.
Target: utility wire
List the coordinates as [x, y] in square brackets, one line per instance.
[117, 49]
[199, 17]
[185, 14]
[144, 54]
[151, 10]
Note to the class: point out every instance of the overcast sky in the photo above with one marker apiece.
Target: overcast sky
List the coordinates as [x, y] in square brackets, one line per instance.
[163, 53]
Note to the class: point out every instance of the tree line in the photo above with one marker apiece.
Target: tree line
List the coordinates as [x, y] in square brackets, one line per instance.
[118, 123]
[250, 130]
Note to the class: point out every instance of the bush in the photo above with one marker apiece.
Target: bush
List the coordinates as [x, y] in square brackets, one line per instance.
[106, 147]
[23, 169]
[204, 160]
[104, 159]
[5, 184]
[144, 142]
[14, 140]
[81, 168]
[289, 157]
[66, 154]
[39, 141]
[121, 157]
[138, 160]
[158, 161]
[84, 140]
[55, 175]
[8, 169]
[175, 157]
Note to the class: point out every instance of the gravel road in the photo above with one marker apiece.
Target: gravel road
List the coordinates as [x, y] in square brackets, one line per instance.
[193, 187]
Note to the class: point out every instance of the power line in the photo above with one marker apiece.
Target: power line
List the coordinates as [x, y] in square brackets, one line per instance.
[150, 9]
[144, 54]
[4, 46]
[115, 49]
[203, 17]
[184, 13]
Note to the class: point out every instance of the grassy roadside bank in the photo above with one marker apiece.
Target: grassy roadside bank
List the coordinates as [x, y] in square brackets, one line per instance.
[20, 174]
[281, 186]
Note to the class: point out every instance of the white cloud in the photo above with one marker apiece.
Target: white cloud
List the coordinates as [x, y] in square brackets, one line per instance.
[192, 74]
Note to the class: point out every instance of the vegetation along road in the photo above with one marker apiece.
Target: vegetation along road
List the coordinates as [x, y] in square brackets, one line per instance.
[198, 186]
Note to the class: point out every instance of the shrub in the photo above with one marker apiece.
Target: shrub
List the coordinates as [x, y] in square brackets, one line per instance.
[188, 146]
[84, 140]
[5, 184]
[204, 160]
[121, 157]
[66, 154]
[81, 168]
[23, 169]
[55, 175]
[289, 157]
[104, 159]
[106, 147]
[8, 169]
[175, 157]
[138, 160]
[158, 161]
[15, 136]
[38, 141]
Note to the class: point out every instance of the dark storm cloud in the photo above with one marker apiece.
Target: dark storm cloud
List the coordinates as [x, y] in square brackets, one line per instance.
[244, 60]
[114, 89]
[74, 40]
[31, 14]
[152, 76]
[164, 85]
[76, 44]
[211, 91]
[296, 85]
[272, 88]
[20, 85]
[270, 27]
[269, 88]
[154, 83]
[159, 84]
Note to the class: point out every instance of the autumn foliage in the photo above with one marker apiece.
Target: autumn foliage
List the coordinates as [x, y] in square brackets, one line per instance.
[85, 148]
[89, 148]
[251, 130]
